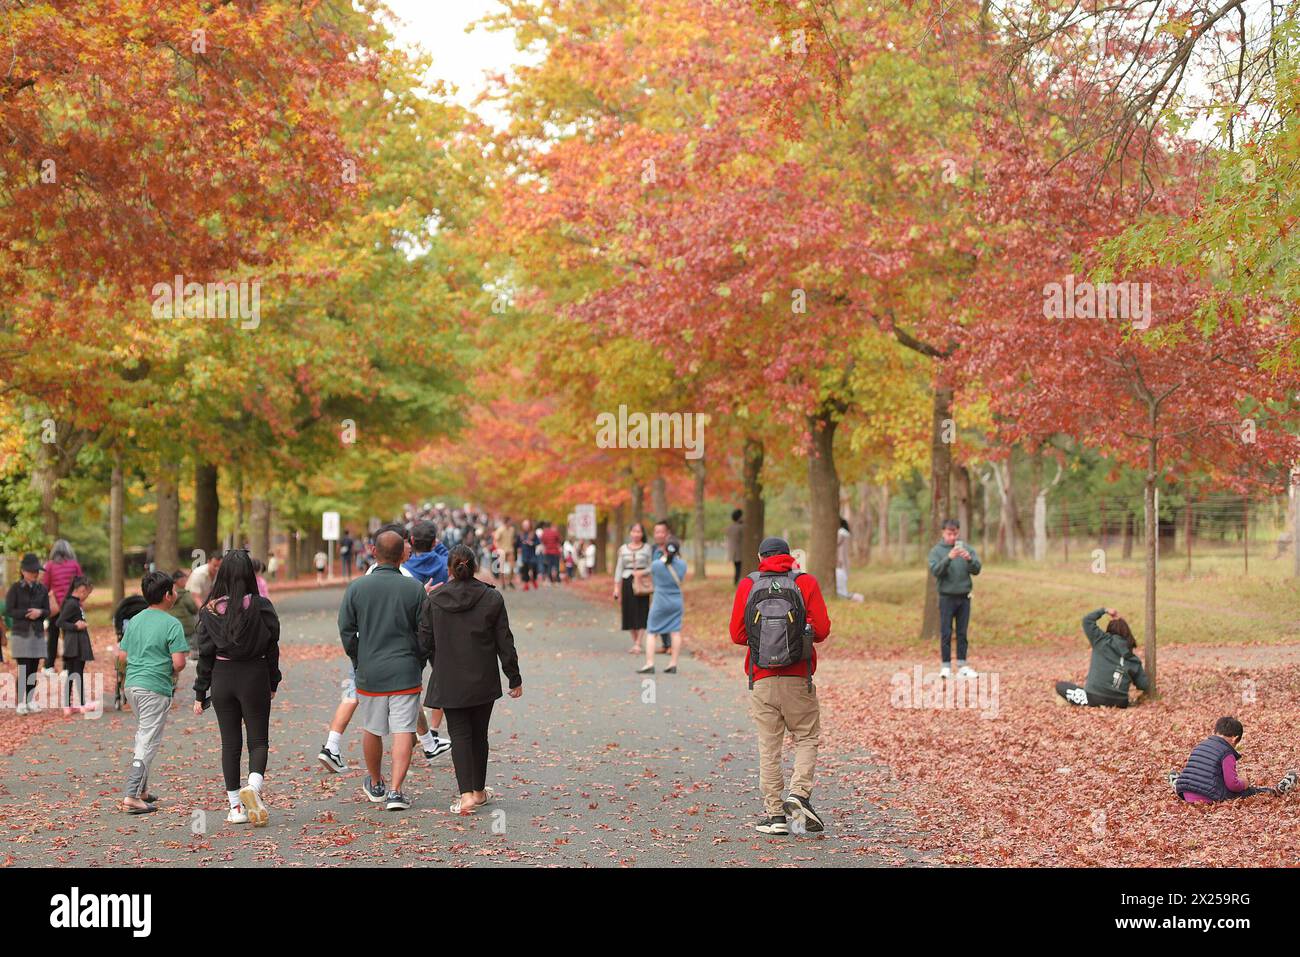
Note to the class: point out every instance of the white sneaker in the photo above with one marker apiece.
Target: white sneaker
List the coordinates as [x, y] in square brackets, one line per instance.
[966, 671]
[945, 672]
[236, 816]
[22, 709]
[440, 747]
[254, 806]
[33, 707]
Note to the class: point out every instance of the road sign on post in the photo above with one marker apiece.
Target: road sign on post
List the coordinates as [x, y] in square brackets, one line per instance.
[584, 522]
[329, 530]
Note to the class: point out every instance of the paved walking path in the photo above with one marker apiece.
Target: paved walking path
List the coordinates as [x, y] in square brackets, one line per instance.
[594, 766]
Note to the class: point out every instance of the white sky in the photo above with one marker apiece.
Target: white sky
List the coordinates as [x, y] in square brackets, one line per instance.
[438, 26]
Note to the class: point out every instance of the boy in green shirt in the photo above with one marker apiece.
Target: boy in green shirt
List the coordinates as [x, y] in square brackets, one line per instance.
[154, 648]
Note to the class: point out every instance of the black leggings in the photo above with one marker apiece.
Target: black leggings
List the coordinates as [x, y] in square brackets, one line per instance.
[468, 728]
[241, 696]
[28, 670]
[76, 668]
[1091, 700]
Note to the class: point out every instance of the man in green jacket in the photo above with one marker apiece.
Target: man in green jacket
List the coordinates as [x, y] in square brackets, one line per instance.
[953, 562]
[378, 621]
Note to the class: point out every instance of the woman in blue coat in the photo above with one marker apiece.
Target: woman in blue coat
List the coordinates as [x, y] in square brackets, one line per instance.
[668, 569]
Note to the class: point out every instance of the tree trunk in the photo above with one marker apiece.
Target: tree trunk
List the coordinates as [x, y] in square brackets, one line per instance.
[824, 492]
[207, 508]
[1127, 551]
[116, 557]
[638, 503]
[166, 538]
[602, 544]
[1008, 530]
[1187, 533]
[940, 501]
[45, 482]
[1152, 544]
[238, 539]
[659, 497]
[1295, 519]
[291, 558]
[882, 519]
[752, 530]
[963, 493]
[862, 524]
[260, 519]
[697, 467]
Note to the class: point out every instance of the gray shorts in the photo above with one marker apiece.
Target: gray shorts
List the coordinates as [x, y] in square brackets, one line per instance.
[388, 714]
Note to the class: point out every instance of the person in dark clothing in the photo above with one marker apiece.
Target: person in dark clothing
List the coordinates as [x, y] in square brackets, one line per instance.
[1211, 771]
[1112, 668]
[28, 604]
[952, 562]
[77, 649]
[464, 631]
[238, 637]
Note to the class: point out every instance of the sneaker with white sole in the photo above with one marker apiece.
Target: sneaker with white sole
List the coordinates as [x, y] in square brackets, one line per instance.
[773, 825]
[236, 816]
[799, 808]
[966, 671]
[1287, 783]
[945, 672]
[440, 747]
[375, 791]
[332, 760]
[251, 799]
[1172, 778]
[21, 709]
[396, 801]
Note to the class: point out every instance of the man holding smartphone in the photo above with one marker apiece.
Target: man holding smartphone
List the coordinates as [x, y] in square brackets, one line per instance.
[953, 563]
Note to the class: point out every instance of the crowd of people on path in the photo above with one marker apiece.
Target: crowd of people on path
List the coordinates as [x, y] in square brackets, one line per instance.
[418, 602]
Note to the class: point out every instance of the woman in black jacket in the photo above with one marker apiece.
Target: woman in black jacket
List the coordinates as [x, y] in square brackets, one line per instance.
[464, 631]
[238, 637]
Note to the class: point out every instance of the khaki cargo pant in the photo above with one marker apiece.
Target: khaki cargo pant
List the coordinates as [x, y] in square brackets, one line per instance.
[779, 704]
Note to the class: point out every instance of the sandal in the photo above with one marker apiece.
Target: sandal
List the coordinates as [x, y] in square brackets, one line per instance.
[456, 808]
[147, 809]
[488, 795]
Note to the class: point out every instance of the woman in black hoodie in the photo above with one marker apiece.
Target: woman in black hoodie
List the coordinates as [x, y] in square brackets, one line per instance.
[464, 631]
[238, 637]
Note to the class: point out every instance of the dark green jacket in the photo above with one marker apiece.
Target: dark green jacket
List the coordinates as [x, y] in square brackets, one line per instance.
[378, 621]
[953, 573]
[1113, 665]
[186, 611]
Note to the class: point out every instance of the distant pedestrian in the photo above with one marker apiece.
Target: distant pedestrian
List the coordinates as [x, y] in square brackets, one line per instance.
[668, 569]
[77, 648]
[953, 562]
[154, 649]
[321, 560]
[633, 583]
[185, 610]
[60, 569]
[201, 578]
[347, 552]
[28, 604]
[735, 538]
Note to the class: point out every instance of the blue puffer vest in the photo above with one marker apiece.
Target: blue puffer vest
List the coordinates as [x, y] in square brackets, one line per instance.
[1204, 772]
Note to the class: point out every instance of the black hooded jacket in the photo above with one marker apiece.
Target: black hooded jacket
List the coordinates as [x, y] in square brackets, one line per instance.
[258, 637]
[464, 631]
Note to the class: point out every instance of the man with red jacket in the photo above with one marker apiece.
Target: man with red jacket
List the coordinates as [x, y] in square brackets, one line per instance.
[783, 699]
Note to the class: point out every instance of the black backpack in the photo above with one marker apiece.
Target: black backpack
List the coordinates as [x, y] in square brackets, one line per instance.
[775, 620]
